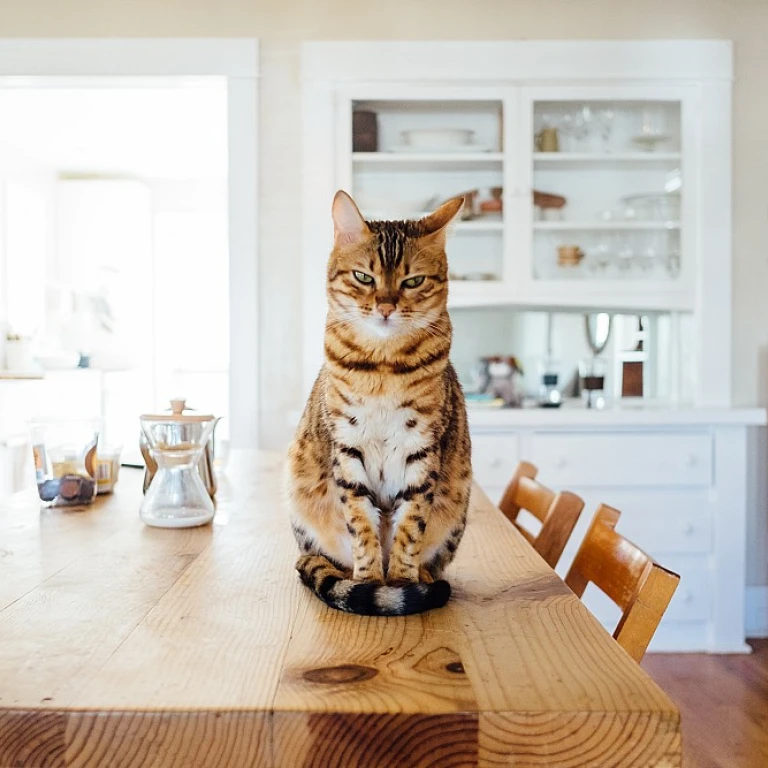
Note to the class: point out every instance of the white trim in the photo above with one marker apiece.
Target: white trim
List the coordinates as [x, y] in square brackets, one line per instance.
[730, 538]
[714, 272]
[540, 60]
[238, 61]
[756, 624]
[243, 150]
[155, 57]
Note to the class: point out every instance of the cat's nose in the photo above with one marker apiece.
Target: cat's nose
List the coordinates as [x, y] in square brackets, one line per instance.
[386, 309]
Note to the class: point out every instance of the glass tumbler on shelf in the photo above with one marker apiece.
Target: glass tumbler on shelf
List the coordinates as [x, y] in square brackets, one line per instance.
[177, 497]
[64, 452]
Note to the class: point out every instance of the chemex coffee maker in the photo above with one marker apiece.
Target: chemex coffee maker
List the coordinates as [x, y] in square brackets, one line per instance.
[179, 482]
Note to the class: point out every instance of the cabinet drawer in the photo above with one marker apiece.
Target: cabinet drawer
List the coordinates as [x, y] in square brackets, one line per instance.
[494, 458]
[662, 522]
[624, 459]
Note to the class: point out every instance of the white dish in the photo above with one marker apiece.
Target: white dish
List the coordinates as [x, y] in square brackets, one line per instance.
[437, 150]
[437, 137]
[652, 207]
[374, 208]
[58, 361]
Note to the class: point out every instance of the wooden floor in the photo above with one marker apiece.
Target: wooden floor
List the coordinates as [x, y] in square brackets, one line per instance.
[723, 701]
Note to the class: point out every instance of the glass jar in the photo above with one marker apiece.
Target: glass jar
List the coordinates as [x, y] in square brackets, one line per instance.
[65, 456]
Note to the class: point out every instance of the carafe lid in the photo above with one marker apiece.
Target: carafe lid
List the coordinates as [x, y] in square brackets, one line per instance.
[177, 415]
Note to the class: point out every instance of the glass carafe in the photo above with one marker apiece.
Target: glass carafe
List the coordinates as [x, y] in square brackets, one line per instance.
[177, 497]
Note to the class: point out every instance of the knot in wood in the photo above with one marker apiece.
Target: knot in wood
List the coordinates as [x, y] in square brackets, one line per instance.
[345, 673]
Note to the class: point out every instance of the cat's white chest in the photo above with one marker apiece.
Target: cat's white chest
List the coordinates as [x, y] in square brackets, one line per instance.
[380, 432]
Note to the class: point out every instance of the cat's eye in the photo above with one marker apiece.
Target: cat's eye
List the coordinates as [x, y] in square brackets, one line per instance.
[361, 277]
[413, 282]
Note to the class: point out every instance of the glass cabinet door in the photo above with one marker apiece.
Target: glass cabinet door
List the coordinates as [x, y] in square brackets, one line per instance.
[405, 151]
[609, 183]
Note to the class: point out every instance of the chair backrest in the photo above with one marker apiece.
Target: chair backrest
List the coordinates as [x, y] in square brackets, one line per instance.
[640, 587]
[558, 512]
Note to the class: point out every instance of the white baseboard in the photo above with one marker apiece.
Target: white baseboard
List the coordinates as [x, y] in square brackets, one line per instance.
[756, 619]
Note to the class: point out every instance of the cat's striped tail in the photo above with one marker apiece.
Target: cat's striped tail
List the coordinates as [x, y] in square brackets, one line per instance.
[365, 598]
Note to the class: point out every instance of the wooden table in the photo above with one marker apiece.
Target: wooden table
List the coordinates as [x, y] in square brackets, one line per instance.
[123, 645]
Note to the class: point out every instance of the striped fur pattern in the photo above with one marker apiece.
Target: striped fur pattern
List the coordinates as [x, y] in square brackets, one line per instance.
[379, 472]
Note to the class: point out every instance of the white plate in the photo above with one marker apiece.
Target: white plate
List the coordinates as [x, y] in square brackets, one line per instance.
[448, 149]
[437, 137]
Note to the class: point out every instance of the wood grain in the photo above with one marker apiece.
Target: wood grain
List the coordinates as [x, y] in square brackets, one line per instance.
[172, 739]
[144, 647]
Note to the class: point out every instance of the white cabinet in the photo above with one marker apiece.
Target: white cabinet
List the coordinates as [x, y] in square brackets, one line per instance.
[609, 459]
[624, 208]
[633, 139]
[615, 156]
[681, 491]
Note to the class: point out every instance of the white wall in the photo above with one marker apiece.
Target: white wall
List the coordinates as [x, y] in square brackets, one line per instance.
[282, 25]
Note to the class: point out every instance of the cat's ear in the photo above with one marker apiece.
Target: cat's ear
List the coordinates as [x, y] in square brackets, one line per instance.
[439, 220]
[349, 227]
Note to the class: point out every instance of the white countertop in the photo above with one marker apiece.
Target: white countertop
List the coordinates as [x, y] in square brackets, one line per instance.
[575, 415]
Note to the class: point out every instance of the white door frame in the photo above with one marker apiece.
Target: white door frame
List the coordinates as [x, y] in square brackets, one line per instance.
[238, 61]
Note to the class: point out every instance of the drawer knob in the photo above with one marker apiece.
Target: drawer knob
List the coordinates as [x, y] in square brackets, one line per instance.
[688, 528]
[495, 463]
[687, 596]
[691, 461]
[560, 462]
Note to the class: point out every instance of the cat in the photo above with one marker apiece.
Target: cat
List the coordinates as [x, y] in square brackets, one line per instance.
[379, 473]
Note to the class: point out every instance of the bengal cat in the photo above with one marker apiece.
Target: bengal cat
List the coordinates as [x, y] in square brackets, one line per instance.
[379, 472]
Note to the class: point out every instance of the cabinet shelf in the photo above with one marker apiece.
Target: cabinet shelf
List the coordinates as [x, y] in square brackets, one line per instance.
[430, 160]
[605, 226]
[591, 157]
[604, 159]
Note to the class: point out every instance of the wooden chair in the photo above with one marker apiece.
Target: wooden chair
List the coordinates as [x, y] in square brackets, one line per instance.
[639, 586]
[558, 512]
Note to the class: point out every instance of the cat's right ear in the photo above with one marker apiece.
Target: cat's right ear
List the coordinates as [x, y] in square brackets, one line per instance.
[349, 227]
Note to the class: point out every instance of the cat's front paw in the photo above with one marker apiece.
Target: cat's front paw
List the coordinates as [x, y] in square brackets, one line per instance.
[425, 577]
[400, 582]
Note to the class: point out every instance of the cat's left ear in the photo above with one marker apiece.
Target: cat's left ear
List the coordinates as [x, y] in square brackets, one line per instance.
[349, 226]
[439, 220]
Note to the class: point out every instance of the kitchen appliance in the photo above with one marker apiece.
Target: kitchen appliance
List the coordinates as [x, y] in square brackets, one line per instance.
[179, 482]
[597, 328]
[549, 393]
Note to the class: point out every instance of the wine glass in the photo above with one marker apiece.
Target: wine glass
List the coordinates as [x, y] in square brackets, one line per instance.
[577, 123]
[602, 257]
[626, 255]
[605, 118]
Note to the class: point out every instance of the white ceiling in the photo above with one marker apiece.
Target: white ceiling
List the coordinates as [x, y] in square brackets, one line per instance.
[167, 132]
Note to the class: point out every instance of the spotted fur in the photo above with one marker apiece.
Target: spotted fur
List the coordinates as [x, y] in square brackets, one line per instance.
[379, 471]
